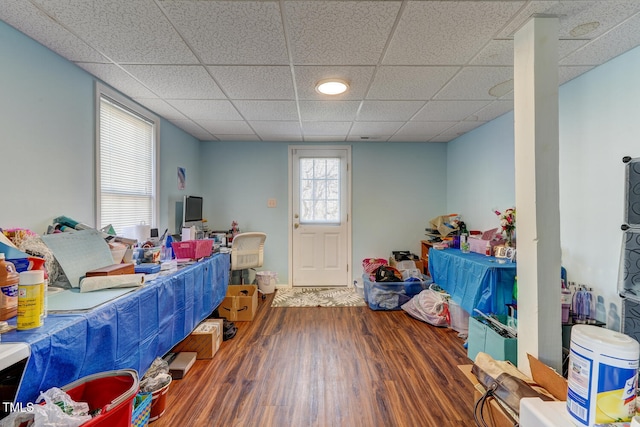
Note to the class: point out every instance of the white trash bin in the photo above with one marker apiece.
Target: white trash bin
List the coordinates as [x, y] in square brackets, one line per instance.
[267, 281]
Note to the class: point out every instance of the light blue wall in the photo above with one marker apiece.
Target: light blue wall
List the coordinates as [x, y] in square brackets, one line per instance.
[480, 172]
[396, 189]
[47, 140]
[177, 149]
[599, 124]
[46, 135]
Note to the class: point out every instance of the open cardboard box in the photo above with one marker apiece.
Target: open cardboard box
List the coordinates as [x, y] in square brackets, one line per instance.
[542, 374]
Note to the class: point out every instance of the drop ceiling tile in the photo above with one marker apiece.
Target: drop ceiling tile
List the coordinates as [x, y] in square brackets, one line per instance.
[118, 79]
[319, 138]
[459, 129]
[446, 32]
[570, 72]
[225, 127]
[388, 111]
[474, 83]
[573, 13]
[273, 128]
[436, 111]
[500, 52]
[206, 109]
[237, 137]
[375, 128]
[267, 110]
[161, 108]
[358, 77]
[125, 31]
[529, 9]
[177, 81]
[193, 129]
[231, 32]
[420, 131]
[367, 138]
[493, 110]
[326, 128]
[28, 19]
[339, 33]
[409, 82]
[619, 40]
[606, 13]
[255, 82]
[329, 110]
[280, 138]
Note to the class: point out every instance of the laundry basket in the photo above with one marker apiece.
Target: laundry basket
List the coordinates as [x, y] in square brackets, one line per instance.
[112, 392]
[267, 281]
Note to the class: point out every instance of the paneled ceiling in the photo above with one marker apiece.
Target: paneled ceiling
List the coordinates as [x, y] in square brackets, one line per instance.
[238, 70]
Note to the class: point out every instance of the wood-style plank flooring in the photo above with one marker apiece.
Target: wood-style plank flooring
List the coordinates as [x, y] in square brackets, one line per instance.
[327, 367]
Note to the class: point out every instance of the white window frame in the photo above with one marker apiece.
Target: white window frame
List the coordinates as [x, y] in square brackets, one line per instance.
[104, 91]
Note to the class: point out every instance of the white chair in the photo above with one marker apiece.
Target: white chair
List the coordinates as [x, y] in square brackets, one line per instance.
[247, 252]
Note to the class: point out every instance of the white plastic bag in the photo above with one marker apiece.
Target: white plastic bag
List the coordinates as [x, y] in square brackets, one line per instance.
[51, 414]
[429, 306]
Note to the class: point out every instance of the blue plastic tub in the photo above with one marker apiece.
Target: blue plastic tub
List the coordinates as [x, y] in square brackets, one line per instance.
[391, 295]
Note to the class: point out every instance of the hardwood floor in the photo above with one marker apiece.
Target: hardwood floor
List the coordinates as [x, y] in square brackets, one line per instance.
[327, 367]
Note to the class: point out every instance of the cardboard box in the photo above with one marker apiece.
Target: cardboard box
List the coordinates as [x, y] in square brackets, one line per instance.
[543, 375]
[493, 414]
[240, 304]
[204, 340]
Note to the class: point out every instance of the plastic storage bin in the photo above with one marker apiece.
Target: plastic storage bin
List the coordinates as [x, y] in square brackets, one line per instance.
[391, 295]
[192, 249]
[459, 318]
[112, 392]
[483, 338]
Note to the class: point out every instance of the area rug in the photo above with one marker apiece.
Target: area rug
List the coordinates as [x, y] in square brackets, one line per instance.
[317, 297]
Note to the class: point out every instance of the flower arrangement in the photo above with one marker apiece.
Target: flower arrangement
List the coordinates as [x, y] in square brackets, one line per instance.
[508, 223]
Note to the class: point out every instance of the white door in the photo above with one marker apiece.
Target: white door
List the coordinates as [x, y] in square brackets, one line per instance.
[320, 212]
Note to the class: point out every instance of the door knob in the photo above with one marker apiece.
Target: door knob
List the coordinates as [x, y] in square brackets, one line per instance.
[296, 225]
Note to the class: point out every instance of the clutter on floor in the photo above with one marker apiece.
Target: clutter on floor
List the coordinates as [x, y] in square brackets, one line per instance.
[204, 340]
[390, 284]
[240, 303]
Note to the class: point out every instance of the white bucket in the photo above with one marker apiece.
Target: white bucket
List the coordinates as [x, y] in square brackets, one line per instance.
[603, 371]
[267, 281]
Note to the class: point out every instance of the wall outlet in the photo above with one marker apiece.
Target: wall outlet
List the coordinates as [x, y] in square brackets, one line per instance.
[271, 203]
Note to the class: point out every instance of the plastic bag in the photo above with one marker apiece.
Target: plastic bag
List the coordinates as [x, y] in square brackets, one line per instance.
[58, 410]
[156, 377]
[429, 306]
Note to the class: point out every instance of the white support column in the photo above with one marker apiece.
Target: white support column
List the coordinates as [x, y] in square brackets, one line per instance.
[537, 192]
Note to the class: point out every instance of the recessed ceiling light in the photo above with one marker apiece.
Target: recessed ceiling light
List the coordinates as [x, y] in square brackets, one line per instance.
[332, 86]
[584, 29]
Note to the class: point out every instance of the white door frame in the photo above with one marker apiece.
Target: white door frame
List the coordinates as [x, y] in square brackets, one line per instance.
[290, 221]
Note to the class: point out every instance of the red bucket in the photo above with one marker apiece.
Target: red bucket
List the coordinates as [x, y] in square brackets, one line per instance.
[112, 392]
[158, 402]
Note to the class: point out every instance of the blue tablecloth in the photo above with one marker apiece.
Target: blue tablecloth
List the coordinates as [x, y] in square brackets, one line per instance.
[129, 332]
[473, 280]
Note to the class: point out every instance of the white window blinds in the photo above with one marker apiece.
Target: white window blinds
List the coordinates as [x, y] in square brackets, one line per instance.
[126, 150]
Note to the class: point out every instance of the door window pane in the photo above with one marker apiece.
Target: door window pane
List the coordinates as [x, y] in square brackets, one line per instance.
[320, 190]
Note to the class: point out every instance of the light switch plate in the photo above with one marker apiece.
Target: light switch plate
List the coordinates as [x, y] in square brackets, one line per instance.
[271, 203]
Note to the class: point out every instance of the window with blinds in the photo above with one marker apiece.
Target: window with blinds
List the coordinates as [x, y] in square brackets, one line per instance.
[126, 147]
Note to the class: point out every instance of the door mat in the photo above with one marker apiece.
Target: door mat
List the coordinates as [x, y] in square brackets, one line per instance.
[317, 297]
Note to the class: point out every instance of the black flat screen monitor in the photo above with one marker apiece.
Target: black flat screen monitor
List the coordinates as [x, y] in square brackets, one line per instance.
[192, 211]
